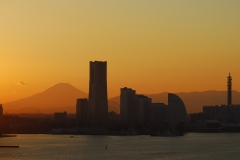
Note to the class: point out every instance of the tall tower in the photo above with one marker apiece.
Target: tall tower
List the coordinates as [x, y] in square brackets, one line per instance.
[229, 84]
[98, 99]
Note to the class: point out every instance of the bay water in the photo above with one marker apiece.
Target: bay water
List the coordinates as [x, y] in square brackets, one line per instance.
[190, 146]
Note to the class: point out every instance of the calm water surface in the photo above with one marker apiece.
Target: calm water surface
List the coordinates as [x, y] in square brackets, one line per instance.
[190, 146]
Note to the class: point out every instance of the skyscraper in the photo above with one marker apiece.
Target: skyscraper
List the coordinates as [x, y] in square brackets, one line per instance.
[127, 105]
[229, 84]
[1, 111]
[134, 108]
[98, 99]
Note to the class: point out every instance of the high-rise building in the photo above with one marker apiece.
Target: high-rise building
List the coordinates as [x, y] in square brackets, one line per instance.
[143, 109]
[1, 111]
[134, 108]
[127, 105]
[229, 84]
[98, 99]
[81, 112]
[1, 118]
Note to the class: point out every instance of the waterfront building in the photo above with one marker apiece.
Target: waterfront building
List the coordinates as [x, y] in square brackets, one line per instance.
[127, 105]
[177, 114]
[235, 113]
[98, 99]
[137, 108]
[81, 112]
[224, 113]
[194, 117]
[229, 113]
[208, 126]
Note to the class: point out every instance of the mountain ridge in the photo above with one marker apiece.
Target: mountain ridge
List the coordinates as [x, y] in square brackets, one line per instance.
[62, 97]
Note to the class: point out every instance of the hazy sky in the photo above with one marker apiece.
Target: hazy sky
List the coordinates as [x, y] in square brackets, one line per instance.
[150, 45]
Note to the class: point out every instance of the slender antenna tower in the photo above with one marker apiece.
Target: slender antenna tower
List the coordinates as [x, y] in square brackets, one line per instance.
[229, 85]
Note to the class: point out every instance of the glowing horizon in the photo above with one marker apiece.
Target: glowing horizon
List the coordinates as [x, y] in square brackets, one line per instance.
[150, 46]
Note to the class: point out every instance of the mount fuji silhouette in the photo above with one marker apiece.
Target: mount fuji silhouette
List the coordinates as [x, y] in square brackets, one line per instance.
[58, 98]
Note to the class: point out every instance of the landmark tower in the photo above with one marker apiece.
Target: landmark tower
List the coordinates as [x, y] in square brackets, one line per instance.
[98, 99]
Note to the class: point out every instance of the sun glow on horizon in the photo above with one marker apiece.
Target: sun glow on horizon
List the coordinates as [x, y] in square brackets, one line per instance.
[150, 46]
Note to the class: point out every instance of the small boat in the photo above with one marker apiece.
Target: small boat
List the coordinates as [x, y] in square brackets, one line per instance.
[9, 146]
[8, 135]
[71, 136]
[166, 134]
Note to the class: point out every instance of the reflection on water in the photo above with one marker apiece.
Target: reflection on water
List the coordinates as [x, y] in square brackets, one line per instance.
[190, 146]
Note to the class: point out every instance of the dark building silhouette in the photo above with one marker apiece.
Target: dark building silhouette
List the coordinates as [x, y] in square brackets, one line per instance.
[1, 111]
[134, 108]
[229, 84]
[177, 113]
[212, 110]
[229, 113]
[1, 118]
[208, 126]
[127, 105]
[139, 109]
[81, 112]
[98, 99]
[194, 117]
[159, 114]
[60, 117]
[224, 113]
[143, 109]
[114, 116]
[170, 117]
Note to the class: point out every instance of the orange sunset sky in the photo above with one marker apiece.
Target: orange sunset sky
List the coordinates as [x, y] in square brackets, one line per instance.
[151, 46]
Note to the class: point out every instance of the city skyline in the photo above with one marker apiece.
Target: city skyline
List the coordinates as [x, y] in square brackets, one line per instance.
[118, 79]
[148, 45]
